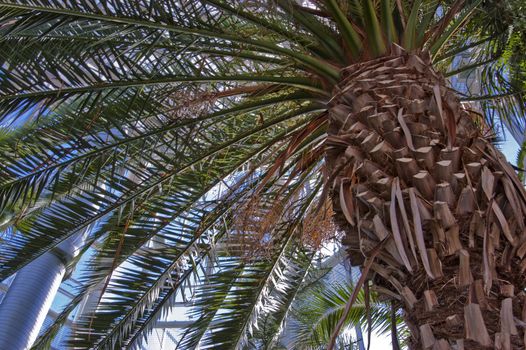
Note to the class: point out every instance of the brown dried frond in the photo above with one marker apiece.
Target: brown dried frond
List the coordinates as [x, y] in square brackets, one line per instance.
[318, 226]
[188, 103]
[474, 111]
[191, 103]
[253, 227]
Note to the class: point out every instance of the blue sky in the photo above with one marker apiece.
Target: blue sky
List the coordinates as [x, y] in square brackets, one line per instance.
[509, 147]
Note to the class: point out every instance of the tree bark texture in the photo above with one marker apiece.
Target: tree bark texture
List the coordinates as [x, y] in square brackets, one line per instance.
[414, 176]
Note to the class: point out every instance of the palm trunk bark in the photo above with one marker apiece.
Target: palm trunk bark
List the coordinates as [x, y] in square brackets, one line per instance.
[414, 176]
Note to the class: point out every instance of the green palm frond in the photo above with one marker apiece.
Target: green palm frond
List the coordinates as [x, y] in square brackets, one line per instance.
[180, 240]
[488, 60]
[125, 115]
[321, 307]
[154, 179]
[232, 303]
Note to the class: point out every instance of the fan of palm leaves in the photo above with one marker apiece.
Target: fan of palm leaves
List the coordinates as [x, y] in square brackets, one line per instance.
[164, 124]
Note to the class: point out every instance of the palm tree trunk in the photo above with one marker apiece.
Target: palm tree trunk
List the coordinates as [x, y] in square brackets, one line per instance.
[414, 177]
[29, 298]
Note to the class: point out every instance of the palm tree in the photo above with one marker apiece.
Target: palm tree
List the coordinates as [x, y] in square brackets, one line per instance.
[225, 135]
[320, 306]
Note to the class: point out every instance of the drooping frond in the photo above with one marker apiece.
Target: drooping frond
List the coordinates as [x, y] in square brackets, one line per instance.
[126, 116]
[321, 306]
[232, 305]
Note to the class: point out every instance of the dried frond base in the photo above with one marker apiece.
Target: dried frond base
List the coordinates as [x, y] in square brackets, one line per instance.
[416, 173]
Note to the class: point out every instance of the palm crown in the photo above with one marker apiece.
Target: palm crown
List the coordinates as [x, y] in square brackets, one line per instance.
[184, 133]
